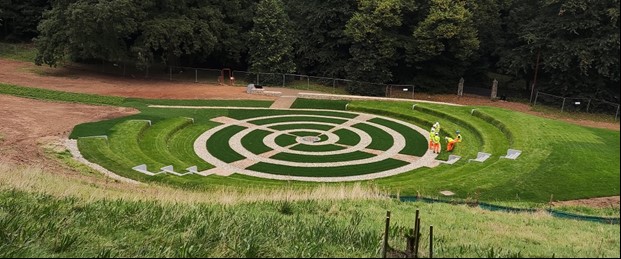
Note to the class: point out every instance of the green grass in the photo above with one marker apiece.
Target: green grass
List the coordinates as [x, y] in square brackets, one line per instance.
[19, 52]
[285, 140]
[296, 118]
[380, 140]
[218, 144]
[415, 143]
[124, 142]
[97, 150]
[322, 159]
[320, 148]
[181, 145]
[253, 141]
[302, 126]
[72, 227]
[559, 159]
[155, 142]
[44, 94]
[52, 95]
[328, 171]
[347, 137]
[301, 103]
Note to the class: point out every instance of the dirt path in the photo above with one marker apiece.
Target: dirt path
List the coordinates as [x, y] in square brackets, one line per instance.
[63, 79]
[24, 123]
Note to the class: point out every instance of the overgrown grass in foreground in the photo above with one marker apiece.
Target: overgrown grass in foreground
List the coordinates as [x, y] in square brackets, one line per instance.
[73, 227]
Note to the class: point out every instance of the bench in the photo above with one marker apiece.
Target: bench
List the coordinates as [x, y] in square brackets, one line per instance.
[481, 157]
[512, 154]
[451, 160]
[167, 169]
[143, 169]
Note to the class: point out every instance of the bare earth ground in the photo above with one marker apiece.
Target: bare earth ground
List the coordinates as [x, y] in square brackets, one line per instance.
[25, 124]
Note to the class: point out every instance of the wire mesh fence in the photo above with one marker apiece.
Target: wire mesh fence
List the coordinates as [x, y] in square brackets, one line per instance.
[327, 84]
[577, 104]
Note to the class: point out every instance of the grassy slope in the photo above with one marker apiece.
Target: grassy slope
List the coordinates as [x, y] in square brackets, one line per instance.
[35, 225]
[559, 159]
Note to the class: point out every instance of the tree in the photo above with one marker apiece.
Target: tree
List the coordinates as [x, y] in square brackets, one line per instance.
[443, 44]
[123, 30]
[373, 30]
[321, 46]
[271, 41]
[19, 18]
[578, 44]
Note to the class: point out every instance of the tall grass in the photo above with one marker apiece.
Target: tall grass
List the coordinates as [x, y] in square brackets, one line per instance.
[39, 225]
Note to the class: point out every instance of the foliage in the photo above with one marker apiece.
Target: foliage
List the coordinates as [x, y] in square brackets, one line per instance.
[271, 41]
[577, 41]
[372, 30]
[19, 18]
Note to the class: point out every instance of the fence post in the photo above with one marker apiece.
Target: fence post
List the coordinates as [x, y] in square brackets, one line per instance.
[386, 91]
[333, 85]
[307, 83]
[386, 230]
[494, 89]
[589, 105]
[563, 106]
[460, 87]
[258, 78]
[536, 96]
[431, 241]
[283, 80]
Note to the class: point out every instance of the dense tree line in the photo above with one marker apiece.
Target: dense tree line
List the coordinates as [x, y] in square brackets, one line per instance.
[573, 44]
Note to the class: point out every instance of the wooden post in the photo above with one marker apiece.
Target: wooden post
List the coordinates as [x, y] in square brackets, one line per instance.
[532, 87]
[409, 251]
[589, 105]
[386, 232]
[431, 241]
[460, 87]
[417, 237]
[494, 89]
[563, 106]
[536, 96]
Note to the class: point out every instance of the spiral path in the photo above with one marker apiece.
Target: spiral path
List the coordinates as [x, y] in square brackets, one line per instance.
[314, 148]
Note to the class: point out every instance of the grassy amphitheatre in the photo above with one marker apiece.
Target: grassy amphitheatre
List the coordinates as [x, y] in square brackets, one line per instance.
[558, 160]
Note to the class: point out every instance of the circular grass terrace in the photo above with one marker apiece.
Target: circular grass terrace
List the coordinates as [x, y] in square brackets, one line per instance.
[558, 159]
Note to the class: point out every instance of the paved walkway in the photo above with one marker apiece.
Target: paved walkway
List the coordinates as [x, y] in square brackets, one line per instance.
[200, 147]
[284, 102]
